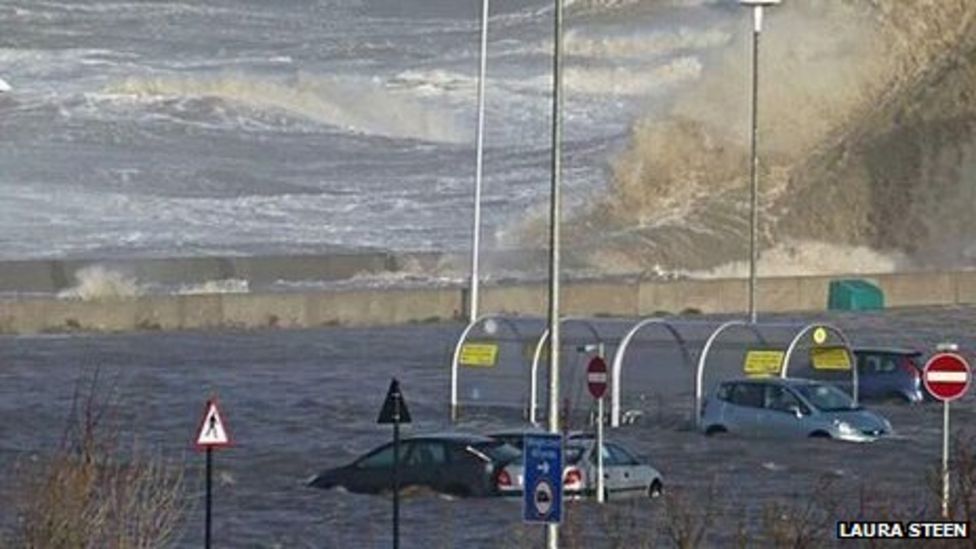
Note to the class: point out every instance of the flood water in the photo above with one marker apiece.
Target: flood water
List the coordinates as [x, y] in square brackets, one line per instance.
[300, 401]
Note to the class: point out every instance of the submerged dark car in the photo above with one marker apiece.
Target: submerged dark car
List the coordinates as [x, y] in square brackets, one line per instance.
[885, 373]
[452, 463]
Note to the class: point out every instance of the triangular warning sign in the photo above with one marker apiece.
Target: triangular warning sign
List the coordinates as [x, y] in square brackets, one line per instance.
[394, 406]
[213, 431]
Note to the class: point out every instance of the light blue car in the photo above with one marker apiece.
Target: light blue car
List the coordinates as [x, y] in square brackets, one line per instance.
[791, 408]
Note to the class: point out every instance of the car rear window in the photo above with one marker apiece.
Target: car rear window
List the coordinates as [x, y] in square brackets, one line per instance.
[497, 451]
[573, 453]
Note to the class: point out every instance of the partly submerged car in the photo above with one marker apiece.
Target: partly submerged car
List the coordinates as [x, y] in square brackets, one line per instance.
[789, 407]
[624, 474]
[451, 463]
[889, 373]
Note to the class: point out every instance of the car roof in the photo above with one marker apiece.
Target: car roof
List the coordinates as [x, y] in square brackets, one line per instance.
[532, 431]
[887, 350]
[518, 432]
[452, 436]
[792, 381]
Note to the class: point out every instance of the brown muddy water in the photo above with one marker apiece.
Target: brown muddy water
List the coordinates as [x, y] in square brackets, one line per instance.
[300, 401]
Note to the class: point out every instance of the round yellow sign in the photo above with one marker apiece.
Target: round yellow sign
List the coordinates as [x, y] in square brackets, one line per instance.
[820, 336]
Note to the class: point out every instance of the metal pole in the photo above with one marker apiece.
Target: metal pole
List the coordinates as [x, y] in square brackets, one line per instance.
[599, 453]
[599, 440]
[208, 522]
[552, 530]
[479, 155]
[754, 184]
[945, 460]
[396, 470]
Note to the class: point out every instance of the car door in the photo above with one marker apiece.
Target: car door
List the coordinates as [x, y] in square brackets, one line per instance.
[625, 471]
[746, 400]
[872, 379]
[783, 413]
[891, 374]
[372, 473]
[424, 464]
[612, 477]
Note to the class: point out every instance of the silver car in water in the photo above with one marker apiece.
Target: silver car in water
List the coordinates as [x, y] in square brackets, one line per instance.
[623, 473]
[789, 407]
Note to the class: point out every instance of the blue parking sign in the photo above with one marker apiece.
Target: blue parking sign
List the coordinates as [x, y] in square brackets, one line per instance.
[542, 495]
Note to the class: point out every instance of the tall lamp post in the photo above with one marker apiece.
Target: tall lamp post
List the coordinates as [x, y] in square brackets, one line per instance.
[479, 155]
[757, 15]
[552, 530]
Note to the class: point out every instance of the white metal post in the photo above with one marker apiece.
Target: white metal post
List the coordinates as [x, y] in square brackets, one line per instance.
[479, 155]
[600, 487]
[599, 455]
[945, 460]
[552, 530]
[754, 175]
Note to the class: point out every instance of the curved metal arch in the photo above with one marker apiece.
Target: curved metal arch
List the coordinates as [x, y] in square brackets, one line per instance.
[618, 361]
[457, 354]
[699, 375]
[534, 371]
[784, 367]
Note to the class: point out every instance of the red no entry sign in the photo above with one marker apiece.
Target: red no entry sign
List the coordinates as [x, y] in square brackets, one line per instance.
[946, 376]
[596, 377]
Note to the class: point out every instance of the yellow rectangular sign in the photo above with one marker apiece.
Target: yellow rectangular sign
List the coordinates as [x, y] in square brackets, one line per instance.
[479, 354]
[830, 358]
[761, 363]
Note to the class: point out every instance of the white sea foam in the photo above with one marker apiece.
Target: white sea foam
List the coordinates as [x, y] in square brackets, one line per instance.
[222, 286]
[98, 282]
[358, 105]
[620, 80]
[643, 46]
[807, 257]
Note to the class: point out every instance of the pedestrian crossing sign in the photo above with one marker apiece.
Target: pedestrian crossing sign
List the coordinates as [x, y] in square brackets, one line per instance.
[213, 431]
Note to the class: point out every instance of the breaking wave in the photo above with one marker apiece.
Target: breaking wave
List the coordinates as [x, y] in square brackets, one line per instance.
[359, 106]
[867, 144]
[621, 80]
[97, 282]
[799, 258]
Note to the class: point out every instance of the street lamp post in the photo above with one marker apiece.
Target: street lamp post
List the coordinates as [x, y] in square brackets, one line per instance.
[552, 530]
[479, 155]
[757, 11]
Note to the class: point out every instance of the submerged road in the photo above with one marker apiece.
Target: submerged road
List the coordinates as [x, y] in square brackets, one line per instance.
[299, 401]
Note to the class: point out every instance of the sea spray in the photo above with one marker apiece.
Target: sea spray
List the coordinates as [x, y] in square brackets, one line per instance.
[865, 141]
[98, 282]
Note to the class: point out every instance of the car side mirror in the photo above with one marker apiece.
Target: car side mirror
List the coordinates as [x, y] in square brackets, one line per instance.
[796, 411]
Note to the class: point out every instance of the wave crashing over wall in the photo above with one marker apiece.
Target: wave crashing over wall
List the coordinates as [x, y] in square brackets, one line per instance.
[866, 141]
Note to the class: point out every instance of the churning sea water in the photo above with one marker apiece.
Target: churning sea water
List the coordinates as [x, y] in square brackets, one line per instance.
[176, 128]
[229, 127]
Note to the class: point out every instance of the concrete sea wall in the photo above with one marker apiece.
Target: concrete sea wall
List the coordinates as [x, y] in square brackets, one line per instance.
[613, 297]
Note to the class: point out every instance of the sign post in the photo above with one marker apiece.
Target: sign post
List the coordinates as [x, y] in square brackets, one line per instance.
[542, 497]
[596, 382]
[211, 434]
[946, 376]
[395, 411]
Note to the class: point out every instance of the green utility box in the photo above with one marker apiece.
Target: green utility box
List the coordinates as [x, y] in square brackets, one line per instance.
[854, 294]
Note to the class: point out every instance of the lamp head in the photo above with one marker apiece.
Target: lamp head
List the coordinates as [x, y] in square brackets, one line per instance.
[752, 3]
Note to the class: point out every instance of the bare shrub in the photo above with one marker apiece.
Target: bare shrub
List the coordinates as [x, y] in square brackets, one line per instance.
[96, 492]
[628, 525]
[805, 522]
[686, 522]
